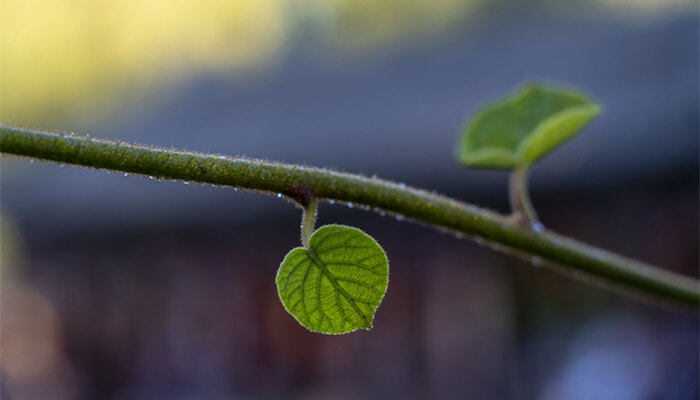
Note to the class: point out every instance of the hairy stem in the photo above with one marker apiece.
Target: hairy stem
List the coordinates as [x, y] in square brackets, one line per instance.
[442, 212]
[308, 221]
[521, 206]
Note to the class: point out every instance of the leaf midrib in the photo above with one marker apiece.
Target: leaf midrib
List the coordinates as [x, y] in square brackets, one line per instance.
[336, 285]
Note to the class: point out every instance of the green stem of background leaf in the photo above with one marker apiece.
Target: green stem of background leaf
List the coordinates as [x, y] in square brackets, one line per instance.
[447, 214]
[308, 221]
[521, 206]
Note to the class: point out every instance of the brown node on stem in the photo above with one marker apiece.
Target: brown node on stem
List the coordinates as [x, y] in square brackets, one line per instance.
[300, 194]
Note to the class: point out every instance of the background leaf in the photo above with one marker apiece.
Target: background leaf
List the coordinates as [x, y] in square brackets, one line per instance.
[336, 285]
[524, 127]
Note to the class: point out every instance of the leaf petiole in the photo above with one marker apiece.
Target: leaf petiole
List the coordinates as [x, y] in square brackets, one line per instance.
[523, 213]
[308, 221]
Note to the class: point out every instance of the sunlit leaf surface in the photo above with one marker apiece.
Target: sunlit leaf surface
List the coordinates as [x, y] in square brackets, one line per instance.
[336, 285]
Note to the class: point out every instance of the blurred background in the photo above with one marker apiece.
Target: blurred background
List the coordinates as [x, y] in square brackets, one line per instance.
[117, 287]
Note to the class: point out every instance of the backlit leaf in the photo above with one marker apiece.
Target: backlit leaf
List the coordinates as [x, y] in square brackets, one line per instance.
[524, 127]
[336, 285]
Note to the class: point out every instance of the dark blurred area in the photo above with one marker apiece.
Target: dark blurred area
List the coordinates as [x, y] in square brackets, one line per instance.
[120, 287]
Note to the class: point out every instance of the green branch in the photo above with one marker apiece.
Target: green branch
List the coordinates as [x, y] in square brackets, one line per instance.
[418, 205]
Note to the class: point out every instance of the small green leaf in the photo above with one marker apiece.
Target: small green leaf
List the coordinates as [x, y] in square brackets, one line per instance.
[335, 285]
[524, 127]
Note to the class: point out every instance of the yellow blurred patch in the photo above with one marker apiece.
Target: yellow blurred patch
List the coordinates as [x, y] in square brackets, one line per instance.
[61, 55]
[65, 58]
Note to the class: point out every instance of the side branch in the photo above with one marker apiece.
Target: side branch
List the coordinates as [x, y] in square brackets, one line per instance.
[419, 205]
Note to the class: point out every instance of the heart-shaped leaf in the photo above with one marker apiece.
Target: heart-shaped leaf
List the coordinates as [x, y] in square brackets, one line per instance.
[524, 127]
[335, 285]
